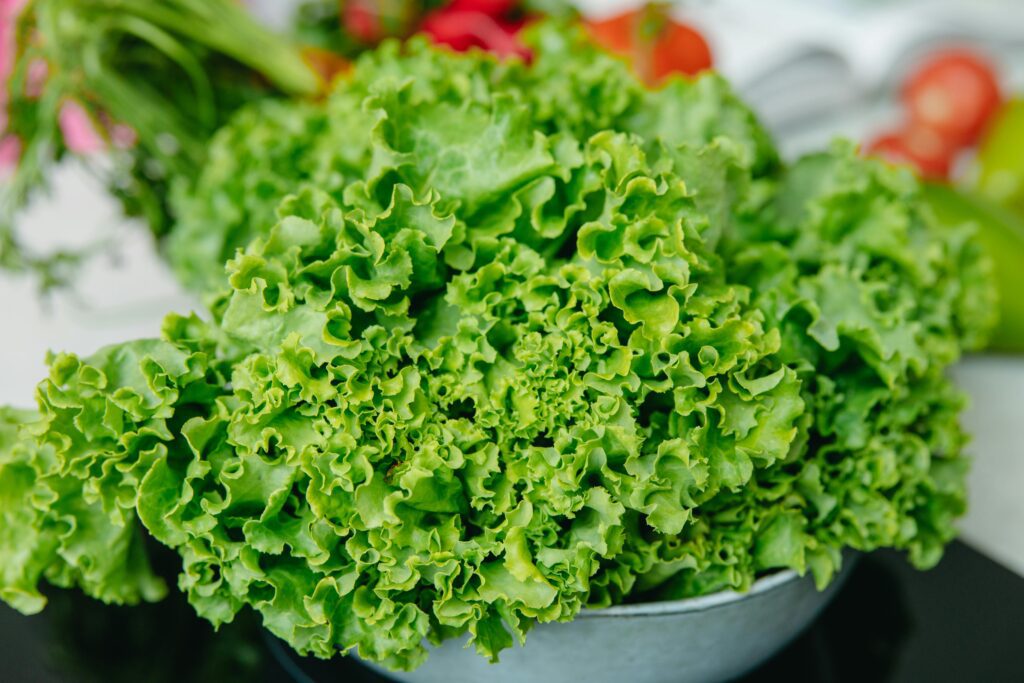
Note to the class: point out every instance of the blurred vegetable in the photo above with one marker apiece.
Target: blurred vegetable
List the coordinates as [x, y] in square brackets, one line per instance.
[491, 25]
[655, 44]
[460, 24]
[494, 8]
[948, 102]
[921, 149]
[679, 49]
[1000, 160]
[465, 29]
[326, 64]
[371, 21]
[617, 33]
[953, 93]
[1001, 233]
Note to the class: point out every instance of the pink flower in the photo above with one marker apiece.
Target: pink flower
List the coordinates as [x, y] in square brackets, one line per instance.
[9, 10]
[35, 79]
[80, 135]
[123, 136]
[10, 146]
[10, 152]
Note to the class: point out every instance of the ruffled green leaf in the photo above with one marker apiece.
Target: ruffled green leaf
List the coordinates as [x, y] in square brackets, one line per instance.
[496, 342]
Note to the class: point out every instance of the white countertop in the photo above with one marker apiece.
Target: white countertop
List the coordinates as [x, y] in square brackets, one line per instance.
[995, 518]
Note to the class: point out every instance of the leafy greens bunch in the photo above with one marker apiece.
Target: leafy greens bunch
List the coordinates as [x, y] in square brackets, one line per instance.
[496, 342]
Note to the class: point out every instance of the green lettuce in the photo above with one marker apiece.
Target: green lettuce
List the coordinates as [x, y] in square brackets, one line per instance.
[496, 342]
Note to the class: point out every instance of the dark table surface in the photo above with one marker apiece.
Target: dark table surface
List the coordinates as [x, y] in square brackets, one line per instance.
[962, 621]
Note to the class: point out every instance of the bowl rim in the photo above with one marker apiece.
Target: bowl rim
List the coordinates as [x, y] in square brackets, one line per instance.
[699, 603]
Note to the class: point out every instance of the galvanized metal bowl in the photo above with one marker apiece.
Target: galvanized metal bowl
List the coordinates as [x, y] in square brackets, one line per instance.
[708, 639]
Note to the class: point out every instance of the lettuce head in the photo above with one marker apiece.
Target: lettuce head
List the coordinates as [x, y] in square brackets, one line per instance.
[495, 342]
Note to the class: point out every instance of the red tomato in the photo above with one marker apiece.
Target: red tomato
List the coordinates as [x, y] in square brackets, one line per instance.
[656, 45]
[493, 8]
[680, 49]
[925, 150]
[955, 94]
[616, 33]
[462, 30]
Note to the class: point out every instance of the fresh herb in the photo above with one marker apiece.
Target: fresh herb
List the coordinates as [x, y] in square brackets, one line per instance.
[151, 79]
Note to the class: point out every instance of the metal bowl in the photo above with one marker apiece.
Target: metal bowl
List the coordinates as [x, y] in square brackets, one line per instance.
[708, 639]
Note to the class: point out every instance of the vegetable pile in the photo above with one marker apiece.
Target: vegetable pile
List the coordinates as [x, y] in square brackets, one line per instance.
[500, 341]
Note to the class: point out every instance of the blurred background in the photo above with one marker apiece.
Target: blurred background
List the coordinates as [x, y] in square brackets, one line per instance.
[870, 70]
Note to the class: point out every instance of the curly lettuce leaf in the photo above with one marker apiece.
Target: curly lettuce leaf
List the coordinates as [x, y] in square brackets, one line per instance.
[494, 343]
[52, 528]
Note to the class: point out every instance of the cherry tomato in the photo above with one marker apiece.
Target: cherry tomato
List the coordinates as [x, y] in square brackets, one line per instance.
[655, 44]
[680, 49]
[492, 8]
[954, 93]
[616, 34]
[919, 147]
[461, 30]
